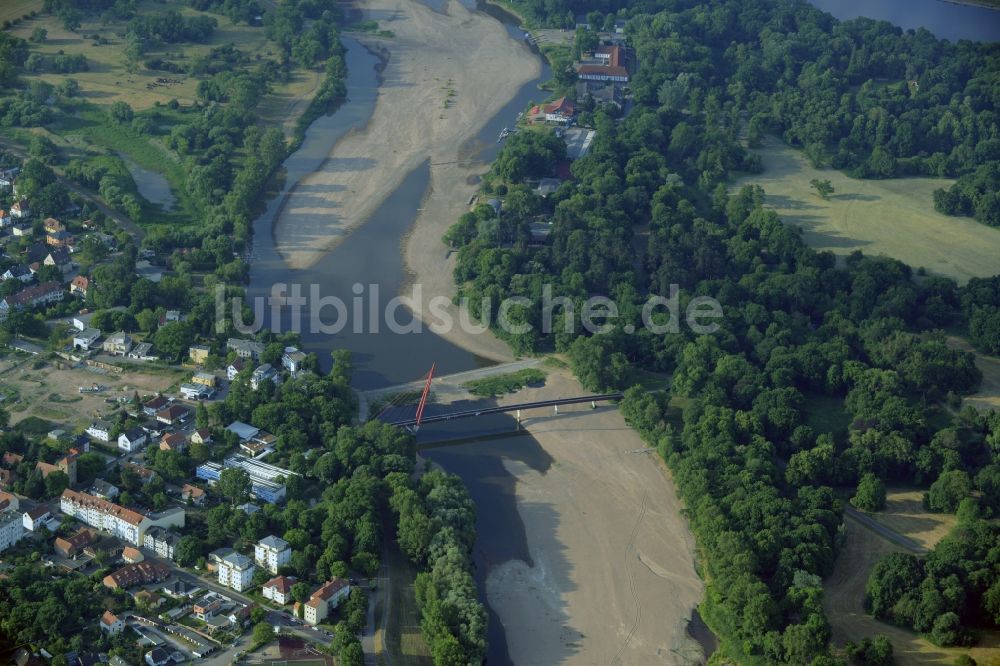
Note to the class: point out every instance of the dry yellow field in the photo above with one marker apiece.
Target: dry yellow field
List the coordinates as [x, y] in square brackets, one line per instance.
[988, 395]
[844, 590]
[904, 513]
[894, 217]
[843, 602]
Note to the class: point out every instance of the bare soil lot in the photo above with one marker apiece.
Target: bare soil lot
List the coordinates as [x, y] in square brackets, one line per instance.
[52, 392]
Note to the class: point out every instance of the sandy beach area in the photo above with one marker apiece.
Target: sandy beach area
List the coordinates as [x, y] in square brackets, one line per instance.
[613, 578]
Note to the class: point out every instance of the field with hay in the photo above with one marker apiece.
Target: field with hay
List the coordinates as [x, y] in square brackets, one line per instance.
[844, 590]
[893, 217]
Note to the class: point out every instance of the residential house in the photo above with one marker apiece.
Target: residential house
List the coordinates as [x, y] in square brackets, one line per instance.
[234, 368]
[245, 348]
[5, 220]
[199, 353]
[34, 519]
[272, 553]
[86, 339]
[201, 436]
[100, 430]
[139, 573]
[161, 541]
[60, 239]
[293, 359]
[9, 501]
[60, 258]
[118, 344]
[40, 294]
[20, 229]
[71, 547]
[144, 473]
[11, 528]
[66, 465]
[111, 623]
[103, 489]
[18, 272]
[173, 441]
[132, 555]
[132, 439]
[173, 414]
[169, 316]
[193, 494]
[559, 111]
[51, 225]
[263, 373]
[257, 444]
[79, 285]
[324, 599]
[279, 590]
[20, 210]
[236, 571]
[153, 405]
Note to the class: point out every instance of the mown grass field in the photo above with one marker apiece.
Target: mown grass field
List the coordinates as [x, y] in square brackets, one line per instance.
[894, 217]
[403, 639]
[843, 603]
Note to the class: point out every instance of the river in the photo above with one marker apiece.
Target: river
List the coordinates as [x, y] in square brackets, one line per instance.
[371, 257]
[948, 20]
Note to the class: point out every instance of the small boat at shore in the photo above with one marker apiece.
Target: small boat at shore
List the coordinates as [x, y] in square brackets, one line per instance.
[504, 133]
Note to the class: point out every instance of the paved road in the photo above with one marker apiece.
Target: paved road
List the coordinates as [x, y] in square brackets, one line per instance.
[884, 531]
[125, 223]
[276, 616]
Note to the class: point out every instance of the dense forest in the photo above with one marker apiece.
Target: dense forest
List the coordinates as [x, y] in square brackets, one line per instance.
[764, 481]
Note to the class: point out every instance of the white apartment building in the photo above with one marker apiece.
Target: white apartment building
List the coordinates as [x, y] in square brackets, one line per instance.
[272, 553]
[11, 528]
[236, 571]
[123, 523]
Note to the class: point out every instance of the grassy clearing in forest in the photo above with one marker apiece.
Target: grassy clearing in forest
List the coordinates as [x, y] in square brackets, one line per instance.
[893, 217]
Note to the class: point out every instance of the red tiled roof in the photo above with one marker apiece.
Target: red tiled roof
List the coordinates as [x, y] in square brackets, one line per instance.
[108, 618]
[28, 295]
[104, 506]
[329, 588]
[282, 584]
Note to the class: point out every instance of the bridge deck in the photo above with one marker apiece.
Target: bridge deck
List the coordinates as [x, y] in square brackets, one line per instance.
[470, 413]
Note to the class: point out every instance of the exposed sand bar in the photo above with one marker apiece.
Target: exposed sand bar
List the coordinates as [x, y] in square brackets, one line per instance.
[613, 578]
[459, 58]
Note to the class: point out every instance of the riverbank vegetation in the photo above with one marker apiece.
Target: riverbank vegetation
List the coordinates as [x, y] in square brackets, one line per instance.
[491, 387]
[649, 212]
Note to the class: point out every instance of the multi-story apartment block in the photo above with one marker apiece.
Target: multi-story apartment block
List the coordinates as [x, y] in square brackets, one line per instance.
[272, 553]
